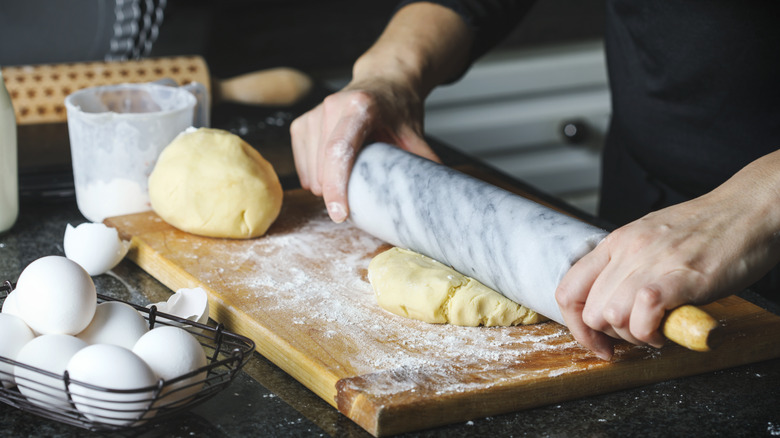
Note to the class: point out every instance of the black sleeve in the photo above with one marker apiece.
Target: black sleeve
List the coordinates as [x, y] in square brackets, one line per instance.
[490, 20]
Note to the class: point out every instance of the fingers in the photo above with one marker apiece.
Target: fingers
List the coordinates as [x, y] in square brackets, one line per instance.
[629, 308]
[646, 317]
[298, 134]
[607, 294]
[412, 142]
[653, 301]
[624, 288]
[305, 132]
[572, 294]
[338, 156]
[325, 142]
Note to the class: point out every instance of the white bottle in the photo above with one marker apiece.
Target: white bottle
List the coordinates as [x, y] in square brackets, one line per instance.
[9, 179]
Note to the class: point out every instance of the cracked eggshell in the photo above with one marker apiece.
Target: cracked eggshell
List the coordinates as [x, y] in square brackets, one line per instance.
[94, 246]
[55, 295]
[191, 304]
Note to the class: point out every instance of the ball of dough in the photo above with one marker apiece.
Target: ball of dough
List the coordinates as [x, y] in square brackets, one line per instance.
[415, 286]
[212, 183]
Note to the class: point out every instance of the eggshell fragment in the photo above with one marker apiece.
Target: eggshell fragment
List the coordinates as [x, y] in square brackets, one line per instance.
[55, 295]
[15, 335]
[115, 368]
[191, 304]
[49, 353]
[115, 323]
[172, 352]
[94, 246]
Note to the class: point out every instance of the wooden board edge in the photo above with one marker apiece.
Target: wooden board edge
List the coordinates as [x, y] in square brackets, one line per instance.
[387, 419]
[282, 354]
[403, 413]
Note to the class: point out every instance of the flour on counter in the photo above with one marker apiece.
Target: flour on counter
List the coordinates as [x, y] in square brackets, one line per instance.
[309, 280]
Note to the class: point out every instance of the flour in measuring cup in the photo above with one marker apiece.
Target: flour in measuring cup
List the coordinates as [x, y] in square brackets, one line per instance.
[117, 197]
[9, 189]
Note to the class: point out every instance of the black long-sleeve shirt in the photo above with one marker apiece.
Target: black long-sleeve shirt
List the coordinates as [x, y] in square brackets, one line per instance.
[695, 92]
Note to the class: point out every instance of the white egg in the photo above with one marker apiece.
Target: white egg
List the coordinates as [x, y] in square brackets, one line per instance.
[9, 304]
[191, 304]
[115, 323]
[50, 353]
[11, 307]
[172, 352]
[55, 295]
[14, 334]
[94, 246]
[114, 368]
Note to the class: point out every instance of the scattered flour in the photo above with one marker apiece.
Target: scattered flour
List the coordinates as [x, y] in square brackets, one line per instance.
[308, 281]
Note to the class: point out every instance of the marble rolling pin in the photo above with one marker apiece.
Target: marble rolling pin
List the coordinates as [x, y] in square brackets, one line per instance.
[518, 247]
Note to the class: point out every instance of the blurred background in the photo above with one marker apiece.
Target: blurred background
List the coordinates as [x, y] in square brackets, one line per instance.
[536, 107]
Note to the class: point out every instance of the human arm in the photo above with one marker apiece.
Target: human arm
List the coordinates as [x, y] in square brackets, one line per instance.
[423, 45]
[694, 252]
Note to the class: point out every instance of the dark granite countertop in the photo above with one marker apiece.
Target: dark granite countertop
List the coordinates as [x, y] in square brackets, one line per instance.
[265, 401]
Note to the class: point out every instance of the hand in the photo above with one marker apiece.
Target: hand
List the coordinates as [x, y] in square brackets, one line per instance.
[694, 252]
[326, 139]
[423, 45]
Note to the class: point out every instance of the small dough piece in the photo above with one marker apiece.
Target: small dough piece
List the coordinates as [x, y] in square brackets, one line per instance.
[415, 286]
[212, 183]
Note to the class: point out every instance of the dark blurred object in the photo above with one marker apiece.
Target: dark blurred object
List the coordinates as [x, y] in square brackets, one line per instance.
[53, 31]
[323, 38]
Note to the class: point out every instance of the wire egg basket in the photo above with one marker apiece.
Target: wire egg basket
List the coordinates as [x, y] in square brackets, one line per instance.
[96, 408]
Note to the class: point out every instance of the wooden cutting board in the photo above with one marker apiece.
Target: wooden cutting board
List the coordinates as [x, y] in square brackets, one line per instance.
[301, 294]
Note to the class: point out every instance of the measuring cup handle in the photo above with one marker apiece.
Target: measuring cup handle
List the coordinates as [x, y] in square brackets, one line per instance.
[201, 117]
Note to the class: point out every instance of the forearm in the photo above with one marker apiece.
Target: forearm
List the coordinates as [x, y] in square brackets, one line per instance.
[423, 45]
[759, 181]
[753, 194]
[693, 252]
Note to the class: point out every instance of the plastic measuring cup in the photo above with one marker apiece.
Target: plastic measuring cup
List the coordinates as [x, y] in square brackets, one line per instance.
[116, 134]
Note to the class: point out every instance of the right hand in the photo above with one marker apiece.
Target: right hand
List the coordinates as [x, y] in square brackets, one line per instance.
[326, 139]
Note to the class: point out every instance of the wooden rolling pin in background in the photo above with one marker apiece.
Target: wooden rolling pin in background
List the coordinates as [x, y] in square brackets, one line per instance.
[38, 91]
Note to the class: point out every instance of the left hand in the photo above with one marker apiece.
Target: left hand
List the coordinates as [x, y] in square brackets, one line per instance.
[694, 252]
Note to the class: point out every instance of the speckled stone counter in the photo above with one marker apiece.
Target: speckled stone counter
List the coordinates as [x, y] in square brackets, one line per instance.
[264, 401]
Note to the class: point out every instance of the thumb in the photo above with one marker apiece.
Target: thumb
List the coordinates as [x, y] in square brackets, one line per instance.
[410, 141]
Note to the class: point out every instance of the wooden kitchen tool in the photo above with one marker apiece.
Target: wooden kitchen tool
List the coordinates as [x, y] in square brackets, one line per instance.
[693, 328]
[38, 91]
[518, 247]
[301, 293]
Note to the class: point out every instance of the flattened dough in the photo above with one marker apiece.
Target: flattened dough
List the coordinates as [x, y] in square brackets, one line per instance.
[212, 183]
[415, 286]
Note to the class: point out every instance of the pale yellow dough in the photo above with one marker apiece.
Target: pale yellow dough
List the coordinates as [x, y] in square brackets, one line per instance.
[412, 285]
[212, 183]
